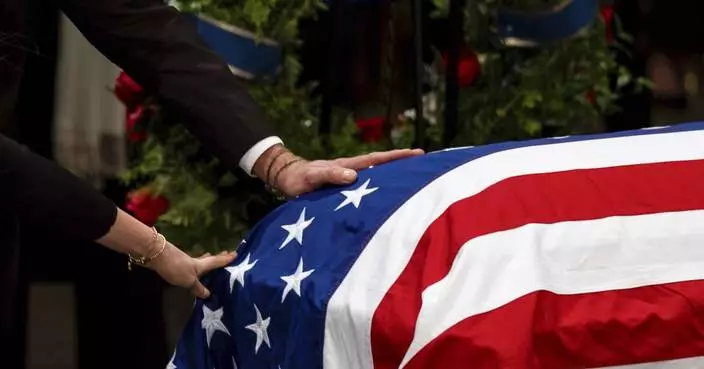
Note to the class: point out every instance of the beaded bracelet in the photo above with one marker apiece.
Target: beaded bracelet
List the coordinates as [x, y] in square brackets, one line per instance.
[271, 165]
[272, 187]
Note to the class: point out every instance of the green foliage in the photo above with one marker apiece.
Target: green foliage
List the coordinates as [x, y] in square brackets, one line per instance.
[209, 205]
[532, 92]
[274, 19]
[521, 93]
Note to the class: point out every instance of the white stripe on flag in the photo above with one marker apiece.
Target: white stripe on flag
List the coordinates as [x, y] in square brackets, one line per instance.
[351, 308]
[610, 254]
[688, 363]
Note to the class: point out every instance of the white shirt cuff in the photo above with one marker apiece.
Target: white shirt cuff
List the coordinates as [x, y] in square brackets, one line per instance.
[250, 157]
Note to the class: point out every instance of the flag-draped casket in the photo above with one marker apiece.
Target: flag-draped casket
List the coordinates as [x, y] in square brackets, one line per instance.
[571, 252]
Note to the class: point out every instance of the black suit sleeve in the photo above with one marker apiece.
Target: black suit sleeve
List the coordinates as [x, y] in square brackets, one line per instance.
[161, 50]
[41, 193]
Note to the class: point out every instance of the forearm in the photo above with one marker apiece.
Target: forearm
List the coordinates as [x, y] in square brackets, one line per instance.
[44, 194]
[128, 235]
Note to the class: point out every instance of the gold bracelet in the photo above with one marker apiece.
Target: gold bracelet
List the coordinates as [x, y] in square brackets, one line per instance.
[143, 260]
[273, 187]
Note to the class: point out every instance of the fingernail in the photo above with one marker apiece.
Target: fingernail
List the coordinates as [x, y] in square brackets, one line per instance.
[348, 174]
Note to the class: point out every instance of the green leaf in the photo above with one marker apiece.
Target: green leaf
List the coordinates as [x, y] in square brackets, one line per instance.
[623, 80]
[532, 127]
[228, 179]
[531, 98]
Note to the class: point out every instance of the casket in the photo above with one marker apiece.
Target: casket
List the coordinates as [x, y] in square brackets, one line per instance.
[570, 252]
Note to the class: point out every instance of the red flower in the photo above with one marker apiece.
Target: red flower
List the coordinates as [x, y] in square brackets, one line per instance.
[128, 91]
[468, 67]
[607, 14]
[591, 97]
[145, 207]
[372, 129]
[135, 130]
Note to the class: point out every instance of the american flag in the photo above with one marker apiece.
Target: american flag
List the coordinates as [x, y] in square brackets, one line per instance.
[561, 253]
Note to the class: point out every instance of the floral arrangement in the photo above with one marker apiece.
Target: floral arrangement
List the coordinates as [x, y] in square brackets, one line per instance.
[504, 95]
[504, 92]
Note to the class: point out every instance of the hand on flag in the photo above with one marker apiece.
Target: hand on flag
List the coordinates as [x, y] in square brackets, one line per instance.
[295, 176]
[182, 270]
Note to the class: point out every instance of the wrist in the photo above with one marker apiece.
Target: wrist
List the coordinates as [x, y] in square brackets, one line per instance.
[161, 256]
[271, 162]
[152, 251]
[129, 236]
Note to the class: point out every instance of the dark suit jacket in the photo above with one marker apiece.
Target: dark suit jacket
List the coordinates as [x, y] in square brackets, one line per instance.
[10, 316]
[160, 49]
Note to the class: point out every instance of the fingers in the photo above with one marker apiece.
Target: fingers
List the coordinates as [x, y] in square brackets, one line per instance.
[341, 171]
[344, 170]
[376, 158]
[199, 290]
[331, 175]
[206, 264]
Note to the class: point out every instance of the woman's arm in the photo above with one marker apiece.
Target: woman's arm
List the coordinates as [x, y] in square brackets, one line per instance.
[41, 193]
[129, 236]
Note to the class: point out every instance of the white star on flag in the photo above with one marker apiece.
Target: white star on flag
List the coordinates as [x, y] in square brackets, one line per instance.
[237, 272]
[354, 197]
[212, 322]
[171, 364]
[242, 243]
[293, 281]
[295, 230]
[259, 328]
[234, 364]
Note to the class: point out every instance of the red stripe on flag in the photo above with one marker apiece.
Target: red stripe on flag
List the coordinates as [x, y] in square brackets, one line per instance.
[543, 330]
[538, 198]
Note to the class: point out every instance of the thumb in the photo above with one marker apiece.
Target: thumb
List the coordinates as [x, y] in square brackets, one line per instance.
[199, 290]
